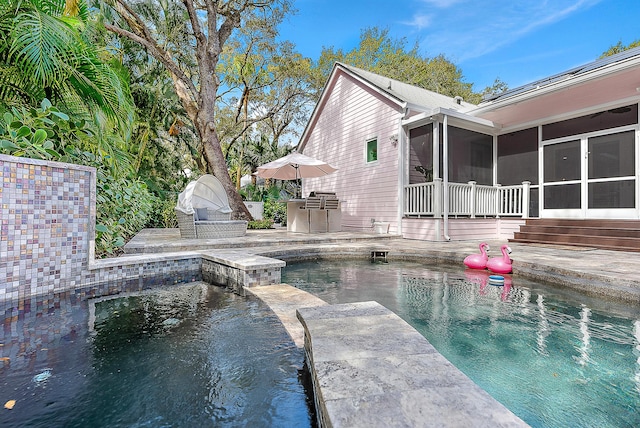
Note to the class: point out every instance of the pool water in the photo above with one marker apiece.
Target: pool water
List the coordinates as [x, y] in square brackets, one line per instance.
[193, 355]
[553, 357]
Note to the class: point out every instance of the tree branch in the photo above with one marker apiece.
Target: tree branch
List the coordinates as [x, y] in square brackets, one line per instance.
[140, 34]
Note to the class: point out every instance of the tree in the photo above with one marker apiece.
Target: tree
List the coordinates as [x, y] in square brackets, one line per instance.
[619, 47]
[47, 51]
[498, 87]
[209, 25]
[380, 54]
[272, 87]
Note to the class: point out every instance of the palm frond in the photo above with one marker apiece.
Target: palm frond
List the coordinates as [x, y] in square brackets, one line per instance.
[40, 46]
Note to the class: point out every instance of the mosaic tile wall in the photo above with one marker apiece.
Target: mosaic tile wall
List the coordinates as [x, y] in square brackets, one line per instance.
[47, 242]
[45, 235]
[236, 279]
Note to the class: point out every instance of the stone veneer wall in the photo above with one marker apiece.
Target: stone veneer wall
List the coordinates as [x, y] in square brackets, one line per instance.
[47, 245]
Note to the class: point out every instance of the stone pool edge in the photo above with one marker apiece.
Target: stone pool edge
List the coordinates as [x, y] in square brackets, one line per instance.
[371, 368]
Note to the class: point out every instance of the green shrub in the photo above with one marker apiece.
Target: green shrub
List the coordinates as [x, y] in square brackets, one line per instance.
[163, 214]
[260, 224]
[124, 205]
[275, 211]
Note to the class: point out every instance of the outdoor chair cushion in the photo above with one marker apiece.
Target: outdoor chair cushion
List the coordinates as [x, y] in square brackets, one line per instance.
[200, 214]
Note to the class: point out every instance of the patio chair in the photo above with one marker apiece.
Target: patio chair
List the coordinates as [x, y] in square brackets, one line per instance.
[203, 211]
[312, 203]
[331, 204]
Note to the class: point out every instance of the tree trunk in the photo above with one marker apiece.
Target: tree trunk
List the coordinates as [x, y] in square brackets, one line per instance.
[218, 167]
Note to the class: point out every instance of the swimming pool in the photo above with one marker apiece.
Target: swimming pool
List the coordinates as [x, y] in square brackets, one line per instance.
[553, 357]
[182, 356]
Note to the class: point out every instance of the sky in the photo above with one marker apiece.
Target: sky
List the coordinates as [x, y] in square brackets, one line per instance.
[517, 41]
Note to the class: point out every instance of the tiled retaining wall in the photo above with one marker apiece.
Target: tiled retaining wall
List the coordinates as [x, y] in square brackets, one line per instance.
[237, 279]
[48, 218]
[47, 244]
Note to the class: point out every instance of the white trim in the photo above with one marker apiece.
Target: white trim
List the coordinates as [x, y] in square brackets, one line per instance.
[495, 160]
[402, 172]
[471, 122]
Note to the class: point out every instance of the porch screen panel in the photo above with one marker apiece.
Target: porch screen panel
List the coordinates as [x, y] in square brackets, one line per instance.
[612, 194]
[564, 196]
[421, 154]
[562, 162]
[612, 171]
[620, 116]
[562, 167]
[518, 157]
[612, 155]
[470, 156]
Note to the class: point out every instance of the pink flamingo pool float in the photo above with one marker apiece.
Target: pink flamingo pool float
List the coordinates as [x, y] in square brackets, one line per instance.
[478, 261]
[500, 264]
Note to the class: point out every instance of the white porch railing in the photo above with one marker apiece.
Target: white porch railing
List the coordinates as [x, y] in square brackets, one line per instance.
[469, 199]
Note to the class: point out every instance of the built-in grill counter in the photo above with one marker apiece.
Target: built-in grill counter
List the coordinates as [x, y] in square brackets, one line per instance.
[318, 213]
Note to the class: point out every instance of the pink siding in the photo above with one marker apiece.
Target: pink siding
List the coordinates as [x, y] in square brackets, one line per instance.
[351, 115]
[460, 229]
[423, 229]
[507, 227]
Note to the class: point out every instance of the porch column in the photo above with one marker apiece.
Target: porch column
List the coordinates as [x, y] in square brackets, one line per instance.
[445, 176]
[437, 198]
[526, 189]
[472, 197]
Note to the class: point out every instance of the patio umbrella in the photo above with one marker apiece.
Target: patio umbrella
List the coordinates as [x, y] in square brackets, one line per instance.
[293, 166]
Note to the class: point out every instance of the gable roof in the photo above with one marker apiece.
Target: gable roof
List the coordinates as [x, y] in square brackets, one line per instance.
[417, 98]
[403, 94]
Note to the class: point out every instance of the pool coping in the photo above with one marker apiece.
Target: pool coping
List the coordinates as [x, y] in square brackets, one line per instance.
[370, 368]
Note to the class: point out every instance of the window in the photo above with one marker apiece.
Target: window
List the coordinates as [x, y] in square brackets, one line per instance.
[372, 150]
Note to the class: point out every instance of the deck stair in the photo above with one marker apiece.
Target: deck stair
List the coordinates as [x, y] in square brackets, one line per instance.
[620, 235]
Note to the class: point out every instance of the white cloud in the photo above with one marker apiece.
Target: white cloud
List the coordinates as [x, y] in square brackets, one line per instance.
[419, 22]
[469, 29]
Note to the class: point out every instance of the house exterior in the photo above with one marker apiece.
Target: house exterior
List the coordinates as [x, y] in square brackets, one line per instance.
[439, 168]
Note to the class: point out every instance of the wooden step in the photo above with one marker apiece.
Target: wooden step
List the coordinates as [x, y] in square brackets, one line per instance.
[614, 224]
[622, 235]
[588, 241]
[600, 247]
[586, 231]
